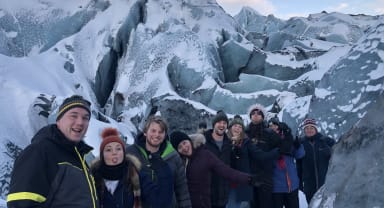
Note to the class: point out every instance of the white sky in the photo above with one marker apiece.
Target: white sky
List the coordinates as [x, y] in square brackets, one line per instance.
[285, 9]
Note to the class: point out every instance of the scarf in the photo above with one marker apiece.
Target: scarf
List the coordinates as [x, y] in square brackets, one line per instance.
[116, 172]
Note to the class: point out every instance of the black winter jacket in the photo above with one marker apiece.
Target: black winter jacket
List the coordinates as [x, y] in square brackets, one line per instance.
[268, 141]
[51, 172]
[313, 167]
[219, 186]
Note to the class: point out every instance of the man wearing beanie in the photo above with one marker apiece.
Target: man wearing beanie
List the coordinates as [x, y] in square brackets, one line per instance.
[119, 179]
[268, 141]
[57, 151]
[313, 167]
[219, 144]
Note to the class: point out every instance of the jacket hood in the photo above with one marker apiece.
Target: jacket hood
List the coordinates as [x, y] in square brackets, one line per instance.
[197, 140]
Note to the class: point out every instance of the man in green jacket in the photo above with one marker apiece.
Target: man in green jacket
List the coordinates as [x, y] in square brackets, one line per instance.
[51, 171]
[156, 152]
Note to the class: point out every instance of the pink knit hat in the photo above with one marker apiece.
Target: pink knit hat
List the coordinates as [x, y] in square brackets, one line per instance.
[309, 122]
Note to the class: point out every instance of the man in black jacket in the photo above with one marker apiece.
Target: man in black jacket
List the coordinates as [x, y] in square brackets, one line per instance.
[51, 171]
[267, 140]
[219, 144]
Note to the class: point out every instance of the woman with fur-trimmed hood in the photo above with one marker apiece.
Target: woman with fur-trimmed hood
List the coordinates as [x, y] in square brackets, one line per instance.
[119, 178]
[200, 164]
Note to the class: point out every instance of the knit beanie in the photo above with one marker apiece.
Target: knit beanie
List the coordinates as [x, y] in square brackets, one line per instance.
[109, 135]
[236, 120]
[177, 137]
[220, 116]
[309, 122]
[72, 102]
[257, 107]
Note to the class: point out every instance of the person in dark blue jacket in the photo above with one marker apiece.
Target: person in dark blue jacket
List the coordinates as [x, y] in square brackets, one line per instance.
[120, 179]
[156, 152]
[313, 167]
[285, 178]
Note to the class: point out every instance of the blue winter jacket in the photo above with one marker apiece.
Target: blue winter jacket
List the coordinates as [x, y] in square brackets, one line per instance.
[285, 177]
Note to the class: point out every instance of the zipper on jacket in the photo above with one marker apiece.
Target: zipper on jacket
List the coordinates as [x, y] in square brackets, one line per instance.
[315, 165]
[90, 183]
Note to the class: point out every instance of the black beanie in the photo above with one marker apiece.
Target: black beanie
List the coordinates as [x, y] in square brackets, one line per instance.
[220, 116]
[176, 137]
[72, 102]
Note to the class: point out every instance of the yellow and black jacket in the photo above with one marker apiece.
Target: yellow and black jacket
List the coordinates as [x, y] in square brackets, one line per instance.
[52, 172]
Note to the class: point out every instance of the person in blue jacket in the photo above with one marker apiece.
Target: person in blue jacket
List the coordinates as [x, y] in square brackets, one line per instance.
[285, 178]
[157, 154]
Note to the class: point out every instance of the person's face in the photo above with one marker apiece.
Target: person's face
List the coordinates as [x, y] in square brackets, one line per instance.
[219, 128]
[113, 153]
[155, 135]
[236, 130]
[74, 123]
[274, 127]
[257, 116]
[310, 131]
[185, 148]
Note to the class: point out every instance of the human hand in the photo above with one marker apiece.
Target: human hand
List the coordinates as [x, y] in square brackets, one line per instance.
[296, 142]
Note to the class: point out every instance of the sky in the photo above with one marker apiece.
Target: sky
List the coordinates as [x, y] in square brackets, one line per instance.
[285, 9]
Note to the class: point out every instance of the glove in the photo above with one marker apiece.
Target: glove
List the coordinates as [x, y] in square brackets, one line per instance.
[255, 181]
[285, 147]
[296, 142]
[285, 129]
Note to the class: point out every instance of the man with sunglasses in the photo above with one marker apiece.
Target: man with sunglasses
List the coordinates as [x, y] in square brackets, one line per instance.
[267, 140]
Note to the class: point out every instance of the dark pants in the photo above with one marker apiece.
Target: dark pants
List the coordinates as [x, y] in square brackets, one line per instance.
[309, 195]
[262, 197]
[287, 200]
[218, 206]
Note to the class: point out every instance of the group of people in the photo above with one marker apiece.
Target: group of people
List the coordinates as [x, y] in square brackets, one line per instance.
[231, 165]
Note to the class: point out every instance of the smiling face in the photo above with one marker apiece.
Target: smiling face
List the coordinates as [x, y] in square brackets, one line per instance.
[219, 129]
[74, 123]
[185, 148]
[155, 135]
[113, 153]
[310, 131]
[236, 129]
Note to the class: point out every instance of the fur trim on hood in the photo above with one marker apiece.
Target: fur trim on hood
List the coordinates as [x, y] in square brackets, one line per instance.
[257, 106]
[197, 140]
